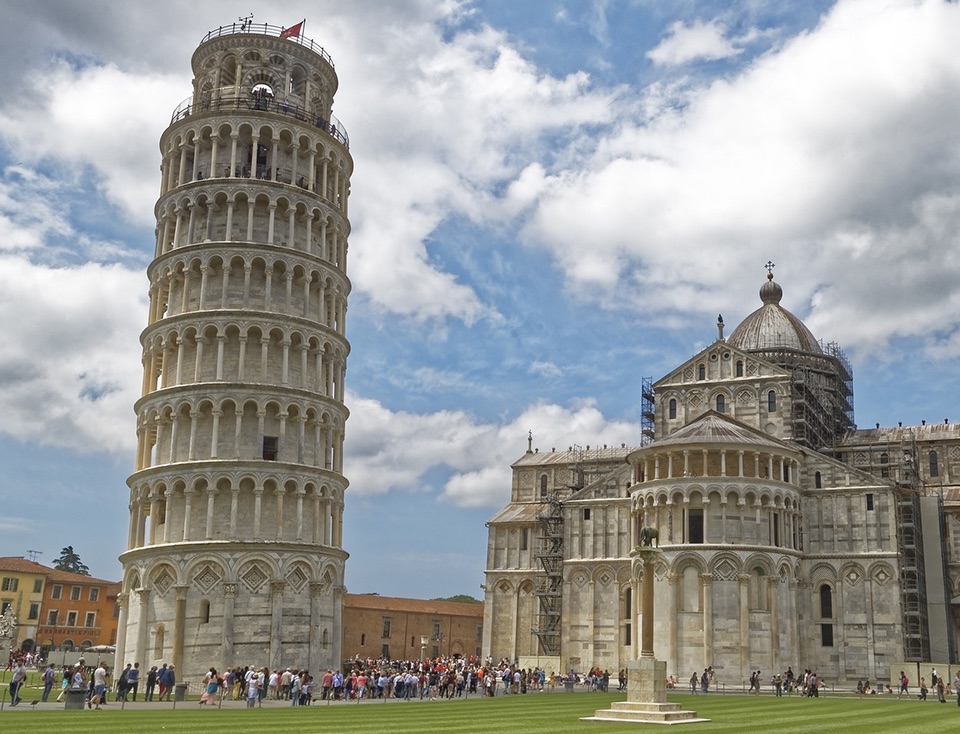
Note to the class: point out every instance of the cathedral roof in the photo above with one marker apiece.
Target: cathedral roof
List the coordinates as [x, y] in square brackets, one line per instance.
[714, 428]
[773, 327]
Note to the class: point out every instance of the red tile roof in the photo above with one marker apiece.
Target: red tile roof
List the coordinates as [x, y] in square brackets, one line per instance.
[423, 606]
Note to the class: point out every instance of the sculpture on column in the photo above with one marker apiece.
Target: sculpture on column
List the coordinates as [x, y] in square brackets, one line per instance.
[648, 535]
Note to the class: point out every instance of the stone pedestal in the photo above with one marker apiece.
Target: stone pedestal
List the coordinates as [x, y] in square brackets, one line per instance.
[646, 698]
[646, 677]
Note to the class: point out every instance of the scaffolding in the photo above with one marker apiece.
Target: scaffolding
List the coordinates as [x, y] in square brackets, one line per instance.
[549, 590]
[821, 391]
[648, 407]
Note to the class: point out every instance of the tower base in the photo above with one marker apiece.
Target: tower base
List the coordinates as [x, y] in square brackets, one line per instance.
[646, 698]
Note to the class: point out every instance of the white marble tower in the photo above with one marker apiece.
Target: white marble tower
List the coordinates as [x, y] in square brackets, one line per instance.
[234, 553]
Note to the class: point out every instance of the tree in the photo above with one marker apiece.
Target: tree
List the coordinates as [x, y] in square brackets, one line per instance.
[69, 560]
[461, 598]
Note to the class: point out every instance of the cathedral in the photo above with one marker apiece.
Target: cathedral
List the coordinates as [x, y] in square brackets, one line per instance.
[787, 536]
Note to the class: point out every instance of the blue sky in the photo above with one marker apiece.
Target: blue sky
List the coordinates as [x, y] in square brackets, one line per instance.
[551, 201]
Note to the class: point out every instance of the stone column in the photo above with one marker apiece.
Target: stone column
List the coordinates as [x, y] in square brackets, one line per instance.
[744, 589]
[179, 625]
[123, 599]
[276, 621]
[142, 636]
[315, 650]
[706, 589]
[226, 633]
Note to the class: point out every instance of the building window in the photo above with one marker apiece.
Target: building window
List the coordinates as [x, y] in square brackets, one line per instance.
[721, 404]
[325, 637]
[91, 620]
[386, 627]
[385, 652]
[739, 368]
[74, 593]
[271, 445]
[57, 591]
[869, 502]
[673, 408]
[52, 617]
[436, 630]
[771, 402]
[818, 481]
[524, 538]
[586, 514]
[701, 372]
[94, 593]
[695, 526]
[543, 486]
[479, 632]
[204, 612]
[363, 640]
[71, 619]
[826, 635]
[436, 651]
[158, 642]
[934, 469]
[9, 584]
[826, 602]
[37, 586]
[34, 612]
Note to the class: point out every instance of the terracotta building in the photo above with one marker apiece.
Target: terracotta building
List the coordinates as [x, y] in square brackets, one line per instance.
[56, 608]
[410, 629]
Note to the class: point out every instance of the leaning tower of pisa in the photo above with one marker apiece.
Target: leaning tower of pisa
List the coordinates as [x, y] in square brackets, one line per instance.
[234, 553]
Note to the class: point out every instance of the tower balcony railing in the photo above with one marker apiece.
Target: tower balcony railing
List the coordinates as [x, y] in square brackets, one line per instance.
[331, 126]
[264, 29]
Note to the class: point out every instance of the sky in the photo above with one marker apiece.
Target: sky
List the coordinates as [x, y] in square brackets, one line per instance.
[551, 201]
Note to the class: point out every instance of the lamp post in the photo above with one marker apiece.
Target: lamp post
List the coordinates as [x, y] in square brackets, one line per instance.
[423, 647]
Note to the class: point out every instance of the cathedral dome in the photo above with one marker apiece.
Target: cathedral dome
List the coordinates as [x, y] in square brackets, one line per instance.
[773, 327]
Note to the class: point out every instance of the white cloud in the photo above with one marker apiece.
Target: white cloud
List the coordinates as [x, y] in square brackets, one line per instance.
[67, 378]
[390, 451]
[697, 41]
[834, 155]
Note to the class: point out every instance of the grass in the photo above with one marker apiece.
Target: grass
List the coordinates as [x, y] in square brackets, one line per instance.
[555, 713]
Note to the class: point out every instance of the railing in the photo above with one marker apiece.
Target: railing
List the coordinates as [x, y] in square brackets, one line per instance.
[248, 27]
[332, 126]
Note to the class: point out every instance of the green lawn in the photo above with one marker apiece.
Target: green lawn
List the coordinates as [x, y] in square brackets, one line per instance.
[531, 714]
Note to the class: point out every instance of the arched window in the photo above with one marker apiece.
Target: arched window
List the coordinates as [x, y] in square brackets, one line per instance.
[739, 368]
[721, 404]
[673, 408]
[325, 638]
[934, 469]
[158, 642]
[701, 372]
[204, 612]
[884, 469]
[826, 602]
[772, 402]
[758, 590]
[543, 486]
[818, 480]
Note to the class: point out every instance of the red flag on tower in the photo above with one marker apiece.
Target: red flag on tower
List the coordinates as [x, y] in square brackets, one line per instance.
[292, 32]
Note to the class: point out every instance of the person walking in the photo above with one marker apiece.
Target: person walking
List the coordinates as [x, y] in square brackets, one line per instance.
[152, 675]
[48, 677]
[17, 680]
